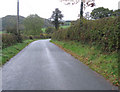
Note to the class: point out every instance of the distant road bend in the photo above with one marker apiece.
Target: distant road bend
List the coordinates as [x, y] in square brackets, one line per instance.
[44, 66]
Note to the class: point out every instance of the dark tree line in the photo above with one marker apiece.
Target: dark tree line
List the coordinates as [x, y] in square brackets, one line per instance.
[102, 12]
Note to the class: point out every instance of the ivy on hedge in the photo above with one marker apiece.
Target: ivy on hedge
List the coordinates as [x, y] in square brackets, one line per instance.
[103, 32]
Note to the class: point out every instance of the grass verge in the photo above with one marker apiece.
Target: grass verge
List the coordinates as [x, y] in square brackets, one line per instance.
[9, 52]
[103, 63]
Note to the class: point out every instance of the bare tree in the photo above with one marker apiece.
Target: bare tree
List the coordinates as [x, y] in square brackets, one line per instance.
[83, 5]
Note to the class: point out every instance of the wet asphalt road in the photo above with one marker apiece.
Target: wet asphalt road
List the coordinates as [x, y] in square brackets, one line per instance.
[44, 66]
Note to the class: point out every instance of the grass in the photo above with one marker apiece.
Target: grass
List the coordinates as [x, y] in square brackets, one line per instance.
[43, 29]
[2, 32]
[64, 27]
[9, 52]
[103, 63]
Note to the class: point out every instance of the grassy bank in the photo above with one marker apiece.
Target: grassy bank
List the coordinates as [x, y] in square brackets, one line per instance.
[9, 52]
[103, 63]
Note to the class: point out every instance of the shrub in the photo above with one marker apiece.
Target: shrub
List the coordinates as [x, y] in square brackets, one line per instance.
[31, 37]
[8, 40]
[24, 37]
[12, 29]
[50, 30]
[103, 32]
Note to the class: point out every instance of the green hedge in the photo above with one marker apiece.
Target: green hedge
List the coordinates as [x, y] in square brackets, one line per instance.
[8, 40]
[103, 32]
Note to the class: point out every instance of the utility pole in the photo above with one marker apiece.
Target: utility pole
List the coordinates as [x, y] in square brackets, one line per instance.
[19, 38]
[81, 12]
[81, 9]
[18, 33]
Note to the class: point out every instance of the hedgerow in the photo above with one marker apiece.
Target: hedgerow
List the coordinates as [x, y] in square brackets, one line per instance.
[8, 40]
[103, 32]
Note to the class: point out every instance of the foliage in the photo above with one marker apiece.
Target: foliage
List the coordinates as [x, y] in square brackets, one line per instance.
[33, 25]
[9, 52]
[10, 21]
[49, 30]
[47, 23]
[42, 36]
[104, 64]
[43, 30]
[12, 29]
[9, 25]
[101, 13]
[103, 32]
[31, 37]
[8, 40]
[56, 16]
[116, 12]
[104, 12]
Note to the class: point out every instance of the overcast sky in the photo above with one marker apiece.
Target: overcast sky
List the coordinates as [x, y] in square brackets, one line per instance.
[44, 8]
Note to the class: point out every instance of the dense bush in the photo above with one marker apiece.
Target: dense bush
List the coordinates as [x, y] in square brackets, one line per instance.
[11, 29]
[41, 36]
[103, 32]
[33, 24]
[31, 37]
[49, 30]
[8, 40]
[25, 37]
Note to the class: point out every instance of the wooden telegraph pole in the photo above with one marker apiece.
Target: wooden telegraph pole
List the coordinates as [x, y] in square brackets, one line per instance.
[81, 12]
[81, 9]
[18, 17]
[19, 39]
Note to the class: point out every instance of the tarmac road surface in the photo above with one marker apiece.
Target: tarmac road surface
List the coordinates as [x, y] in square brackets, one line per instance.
[44, 66]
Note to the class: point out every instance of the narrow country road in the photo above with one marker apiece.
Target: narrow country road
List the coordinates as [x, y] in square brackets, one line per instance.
[44, 66]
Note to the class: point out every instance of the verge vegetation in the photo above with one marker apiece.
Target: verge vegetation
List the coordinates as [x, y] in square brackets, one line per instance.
[9, 52]
[103, 63]
[103, 32]
[94, 42]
